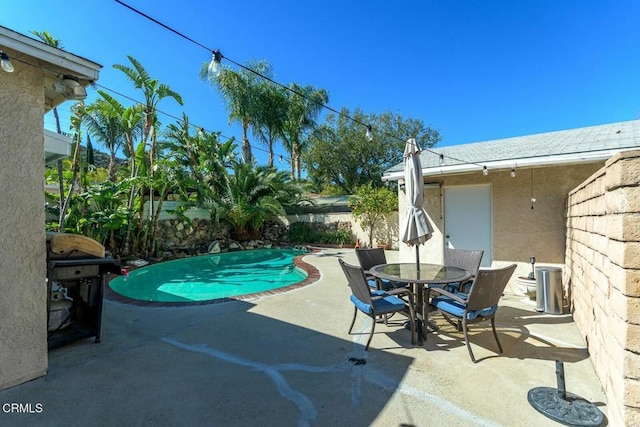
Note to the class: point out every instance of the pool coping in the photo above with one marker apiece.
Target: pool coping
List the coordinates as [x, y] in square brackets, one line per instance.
[313, 275]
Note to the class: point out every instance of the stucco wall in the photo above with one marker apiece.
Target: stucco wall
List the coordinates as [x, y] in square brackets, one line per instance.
[518, 231]
[23, 340]
[386, 231]
[603, 275]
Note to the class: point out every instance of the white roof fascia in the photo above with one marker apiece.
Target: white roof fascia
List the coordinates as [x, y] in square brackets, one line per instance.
[80, 67]
[56, 146]
[587, 157]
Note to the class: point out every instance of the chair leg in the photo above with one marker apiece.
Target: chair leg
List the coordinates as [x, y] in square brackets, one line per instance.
[493, 326]
[466, 338]
[412, 321]
[425, 320]
[354, 318]
[373, 328]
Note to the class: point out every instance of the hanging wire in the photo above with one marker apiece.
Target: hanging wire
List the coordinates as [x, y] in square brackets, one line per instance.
[244, 67]
[199, 129]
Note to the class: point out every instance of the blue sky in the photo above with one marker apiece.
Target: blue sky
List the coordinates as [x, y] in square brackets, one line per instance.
[474, 70]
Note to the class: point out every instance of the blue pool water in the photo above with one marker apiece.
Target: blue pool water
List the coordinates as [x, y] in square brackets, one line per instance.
[210, 277]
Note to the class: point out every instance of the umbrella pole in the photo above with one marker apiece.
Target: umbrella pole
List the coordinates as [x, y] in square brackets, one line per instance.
[418, 257]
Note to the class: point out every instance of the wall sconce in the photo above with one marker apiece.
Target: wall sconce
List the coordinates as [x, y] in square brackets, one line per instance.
[70, 88]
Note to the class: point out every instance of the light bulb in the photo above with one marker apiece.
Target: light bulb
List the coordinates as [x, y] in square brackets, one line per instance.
[5, 62]
[214, 66]
[513, 173]
[200, 132]
[369, 134]
[485, 171]
[441, 159]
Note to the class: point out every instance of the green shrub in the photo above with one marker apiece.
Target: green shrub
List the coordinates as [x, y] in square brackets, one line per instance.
[302, 232]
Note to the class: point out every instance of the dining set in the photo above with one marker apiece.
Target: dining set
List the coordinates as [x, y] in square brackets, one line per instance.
[458, 289]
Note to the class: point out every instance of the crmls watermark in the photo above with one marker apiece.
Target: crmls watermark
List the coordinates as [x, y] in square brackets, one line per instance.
[22, 408]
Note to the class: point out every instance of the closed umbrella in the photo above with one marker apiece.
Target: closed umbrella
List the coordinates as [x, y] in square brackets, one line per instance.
[416, 228]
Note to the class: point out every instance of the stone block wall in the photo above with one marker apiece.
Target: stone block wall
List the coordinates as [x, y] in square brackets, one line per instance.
[603, 278]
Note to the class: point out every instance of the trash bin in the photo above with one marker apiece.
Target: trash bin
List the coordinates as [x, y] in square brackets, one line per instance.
[549, 290]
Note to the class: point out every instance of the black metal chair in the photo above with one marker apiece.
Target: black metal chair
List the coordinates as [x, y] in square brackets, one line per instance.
[480, 304]
[378, 302]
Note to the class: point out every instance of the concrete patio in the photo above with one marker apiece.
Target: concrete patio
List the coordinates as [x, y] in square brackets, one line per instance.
[283, 360]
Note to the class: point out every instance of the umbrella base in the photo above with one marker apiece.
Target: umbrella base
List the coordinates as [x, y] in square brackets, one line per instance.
[572, 410]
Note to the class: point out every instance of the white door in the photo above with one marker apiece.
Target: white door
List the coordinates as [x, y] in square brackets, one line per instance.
[467, 219]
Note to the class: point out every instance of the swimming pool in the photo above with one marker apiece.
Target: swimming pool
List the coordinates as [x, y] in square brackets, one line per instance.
[212, 277]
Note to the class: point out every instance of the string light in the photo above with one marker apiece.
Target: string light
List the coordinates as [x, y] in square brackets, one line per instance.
[441, 159]
[513, 173]
[369, 134]
[485, 171]
[212, 65]
[5, 62]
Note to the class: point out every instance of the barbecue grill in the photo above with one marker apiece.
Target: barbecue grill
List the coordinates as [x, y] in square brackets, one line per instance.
[77, 272]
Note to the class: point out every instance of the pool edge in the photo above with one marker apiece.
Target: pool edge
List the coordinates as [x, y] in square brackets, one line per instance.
[313, 275]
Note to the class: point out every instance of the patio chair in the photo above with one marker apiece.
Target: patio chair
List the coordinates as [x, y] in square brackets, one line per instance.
[480, 304]
[468, 260]
[378, 302]
[370, 257]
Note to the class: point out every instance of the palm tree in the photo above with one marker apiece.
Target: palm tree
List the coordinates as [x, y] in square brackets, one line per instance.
[153, 92]
[103, 121]
[239, 90]
[47, 38]
[201, 156]
[251, 199]
[305, 104]
[269, 120]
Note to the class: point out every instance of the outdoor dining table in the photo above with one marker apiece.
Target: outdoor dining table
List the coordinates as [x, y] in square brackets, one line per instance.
[419, 276]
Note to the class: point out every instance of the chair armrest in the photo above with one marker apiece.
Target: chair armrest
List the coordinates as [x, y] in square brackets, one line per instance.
[448, 294]
[398, 291]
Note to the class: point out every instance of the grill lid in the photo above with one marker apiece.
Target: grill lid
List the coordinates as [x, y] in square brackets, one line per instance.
[67, 245]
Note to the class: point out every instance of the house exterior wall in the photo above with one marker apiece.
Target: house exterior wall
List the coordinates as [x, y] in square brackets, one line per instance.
[603, 278]
[518, 231]
[23, 335]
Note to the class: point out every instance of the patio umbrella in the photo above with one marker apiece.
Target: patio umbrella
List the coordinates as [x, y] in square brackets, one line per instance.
[416, 228]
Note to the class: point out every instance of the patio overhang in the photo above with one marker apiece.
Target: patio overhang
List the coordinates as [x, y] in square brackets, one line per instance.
[56, 64]
[56, 147]
[508, 164]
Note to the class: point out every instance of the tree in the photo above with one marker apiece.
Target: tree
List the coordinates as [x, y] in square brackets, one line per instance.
[77, 118]
[304, 106]
[153, 92]
[103, 121]
[341, 156]
[250, 200]
[371, 205]
[47, 38]
[200, 158]
[239, 90]
[270, 116]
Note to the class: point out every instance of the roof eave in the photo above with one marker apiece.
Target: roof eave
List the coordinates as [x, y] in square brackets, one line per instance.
[531, 162]
[76, 65]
